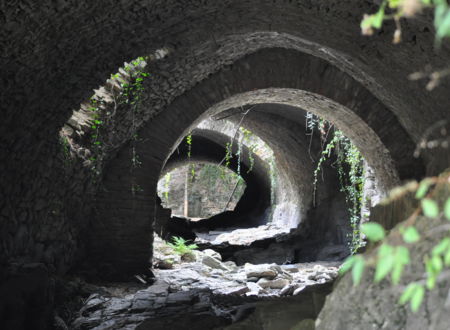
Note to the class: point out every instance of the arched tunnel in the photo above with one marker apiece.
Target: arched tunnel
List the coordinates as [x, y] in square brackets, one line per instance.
[87, 131]
[209, 147]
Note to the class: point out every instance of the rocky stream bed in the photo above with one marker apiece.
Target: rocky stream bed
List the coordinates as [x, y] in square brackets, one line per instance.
[202, 292]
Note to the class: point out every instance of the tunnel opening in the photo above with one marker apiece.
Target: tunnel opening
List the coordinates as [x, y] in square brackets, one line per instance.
[199, 191]
[319, 193]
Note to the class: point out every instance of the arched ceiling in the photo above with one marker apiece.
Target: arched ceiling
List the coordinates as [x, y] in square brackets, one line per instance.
[54, 53]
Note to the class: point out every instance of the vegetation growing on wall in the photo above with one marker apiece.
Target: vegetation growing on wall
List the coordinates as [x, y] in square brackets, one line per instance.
[393, 253]
[348, 163]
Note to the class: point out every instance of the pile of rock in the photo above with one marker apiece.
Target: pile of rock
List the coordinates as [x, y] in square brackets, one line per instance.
[208, 290]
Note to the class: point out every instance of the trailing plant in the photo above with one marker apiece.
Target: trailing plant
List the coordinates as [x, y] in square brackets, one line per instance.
[97, 124]
[251, 147]
[393, 255]
[167, 186]
[180, 246]
[273, 180]
[132, 95]
[65, 146]
[349, 167]
[189, 154]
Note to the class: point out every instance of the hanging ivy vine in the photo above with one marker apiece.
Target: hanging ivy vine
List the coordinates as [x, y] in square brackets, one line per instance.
[349, 166]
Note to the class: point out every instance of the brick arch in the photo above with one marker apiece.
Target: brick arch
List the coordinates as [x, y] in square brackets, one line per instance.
[353, 108]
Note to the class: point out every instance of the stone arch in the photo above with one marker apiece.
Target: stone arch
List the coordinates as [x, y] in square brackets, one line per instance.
[354, 107]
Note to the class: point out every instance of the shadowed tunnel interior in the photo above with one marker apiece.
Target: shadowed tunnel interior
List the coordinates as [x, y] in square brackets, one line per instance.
[209, 147]
[80, 162]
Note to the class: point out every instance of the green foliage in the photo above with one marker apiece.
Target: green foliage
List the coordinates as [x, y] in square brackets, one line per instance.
[189, 154]
[167, 186]
[349, 166]
[373, 231]
[189, 144]
[410, 234]
[447, 209]
[430, 208]
[414, 293]
[396, 9]
[392, 259]
[65, 146]
[180, 246]
[130, 94]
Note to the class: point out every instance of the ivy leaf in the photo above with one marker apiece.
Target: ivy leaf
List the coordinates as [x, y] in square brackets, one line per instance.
[431, 282]
[411, 235]
[374, 231]
[447, 258]
[358, 269]
[402, 255]
[441, 247]
[347, 265]
[423, 188]
[385, 262]
[397, 273]
[447, 209]
[407, 293]
[377, 19]
[417, 297]
[401, 259]
[437, 264]
[443, 24]
[430, 208]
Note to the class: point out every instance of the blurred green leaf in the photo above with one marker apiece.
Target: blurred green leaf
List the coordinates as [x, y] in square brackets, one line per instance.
[423, 188]
[430, 208]
[411, 235]
[374, 231]
[417, 297]
[447, 209]
[407, 293]
[358, 269]
[441, 247]
[447, 258]
[436, 261]
[384, 265]
[347, 265]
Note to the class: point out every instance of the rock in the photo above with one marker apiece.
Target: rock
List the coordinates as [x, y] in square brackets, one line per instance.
[234, 291]
[290, 268]
[287, 290]
[254, 288]
[299, 289]
[231, 265]
[269, 271]
[188, 257]
[253, 279]
[277, 283]
[213, 263]
[159, 289]
[165, 262]
[212, 254]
